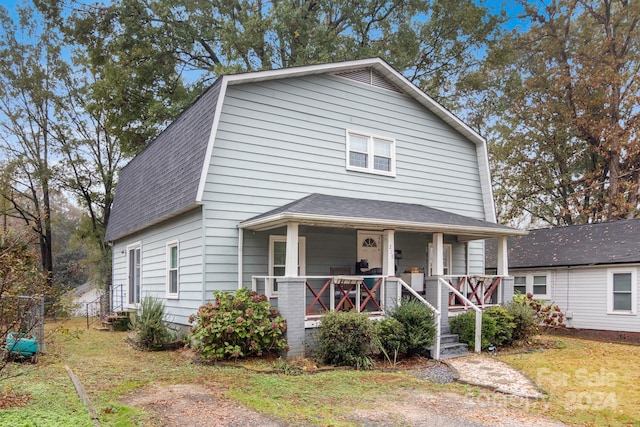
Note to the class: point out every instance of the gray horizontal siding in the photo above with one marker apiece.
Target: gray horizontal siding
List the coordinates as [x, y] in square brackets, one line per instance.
[278, 141]
[187, 230]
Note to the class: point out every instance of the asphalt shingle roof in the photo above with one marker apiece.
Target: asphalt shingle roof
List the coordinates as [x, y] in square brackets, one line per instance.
[614, 242]
[163, 179]
[321, 205]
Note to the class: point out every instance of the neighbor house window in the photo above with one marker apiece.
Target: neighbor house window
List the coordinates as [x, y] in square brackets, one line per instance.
[369, 153]
[520, 284]
[621, 291]
[172, 269]
[536, 284]
[277, 261]
[446, 258]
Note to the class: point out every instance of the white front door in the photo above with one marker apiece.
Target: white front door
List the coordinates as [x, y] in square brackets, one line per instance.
[370, 248]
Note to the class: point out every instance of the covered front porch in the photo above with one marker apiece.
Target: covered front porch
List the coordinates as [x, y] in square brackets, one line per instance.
[319, 256]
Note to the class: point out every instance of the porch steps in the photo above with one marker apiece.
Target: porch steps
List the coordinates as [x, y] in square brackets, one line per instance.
[450, 347]
[114, 321]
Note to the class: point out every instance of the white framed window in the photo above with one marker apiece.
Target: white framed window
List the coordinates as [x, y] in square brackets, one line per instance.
[537, 284]
[520, 285]
[622, 288]
[134, 271]
[370, 153]
[447, 250]
[173, 261]
[277, 260]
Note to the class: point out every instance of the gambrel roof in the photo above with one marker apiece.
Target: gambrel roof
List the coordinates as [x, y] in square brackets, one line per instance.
[168, 177]
[616, 242]
[163, 179]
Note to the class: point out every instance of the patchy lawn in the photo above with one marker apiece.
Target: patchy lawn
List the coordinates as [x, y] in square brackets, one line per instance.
[133, 388]
[589, 382]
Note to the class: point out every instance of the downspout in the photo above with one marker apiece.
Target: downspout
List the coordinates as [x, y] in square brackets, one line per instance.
[203, 246]
[240, 255]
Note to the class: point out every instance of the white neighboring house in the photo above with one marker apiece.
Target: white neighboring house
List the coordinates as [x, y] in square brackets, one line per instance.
[590, 271]
[82, 295]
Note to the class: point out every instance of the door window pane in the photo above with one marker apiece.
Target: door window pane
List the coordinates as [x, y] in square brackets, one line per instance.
[279, 254]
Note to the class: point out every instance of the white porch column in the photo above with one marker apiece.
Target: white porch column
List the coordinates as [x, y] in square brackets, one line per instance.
[503, 259]
[291, 261]
[438, 254]
[388, 253]
[438, 270]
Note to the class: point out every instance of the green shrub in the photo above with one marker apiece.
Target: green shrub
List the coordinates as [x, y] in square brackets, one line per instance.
[238, 324]
[524, 319]
[419, 326]
[464, 325]
[390, 337]
[344, 339]
[504, 325]
[149, 326]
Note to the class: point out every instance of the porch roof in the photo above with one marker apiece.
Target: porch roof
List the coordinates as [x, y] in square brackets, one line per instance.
[333, 211]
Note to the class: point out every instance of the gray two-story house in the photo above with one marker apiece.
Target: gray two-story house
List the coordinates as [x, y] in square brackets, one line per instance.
[318, 186]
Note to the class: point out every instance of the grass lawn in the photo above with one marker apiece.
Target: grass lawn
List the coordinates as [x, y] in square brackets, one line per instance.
[589, 382]
[109, 369]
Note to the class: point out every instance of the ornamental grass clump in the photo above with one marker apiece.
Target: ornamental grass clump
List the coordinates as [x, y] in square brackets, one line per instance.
[237, 325]
[150, 330]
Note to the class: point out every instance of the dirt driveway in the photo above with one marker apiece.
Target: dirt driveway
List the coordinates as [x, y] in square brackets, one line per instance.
[197, 405]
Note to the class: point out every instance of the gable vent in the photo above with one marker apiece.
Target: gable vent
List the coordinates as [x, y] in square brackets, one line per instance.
[371, 77]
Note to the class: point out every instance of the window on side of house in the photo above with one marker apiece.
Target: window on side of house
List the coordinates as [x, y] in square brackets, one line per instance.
[520, 284]
[369, 153]
[621, 291]
[278, 259]
[172, 270]
[447, 250]
[532, 283]
[539, 287]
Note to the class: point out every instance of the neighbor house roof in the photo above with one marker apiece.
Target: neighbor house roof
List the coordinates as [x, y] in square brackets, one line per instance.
[168, 177]
[325, 210]
[614, 242]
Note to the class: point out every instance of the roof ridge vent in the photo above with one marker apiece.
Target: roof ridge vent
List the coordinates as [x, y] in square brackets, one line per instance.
[370, 77]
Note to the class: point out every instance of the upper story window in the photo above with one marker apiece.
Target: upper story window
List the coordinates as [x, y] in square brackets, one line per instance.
[369, 153]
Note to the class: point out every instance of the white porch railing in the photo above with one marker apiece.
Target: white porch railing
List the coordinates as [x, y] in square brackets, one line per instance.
[478, 336]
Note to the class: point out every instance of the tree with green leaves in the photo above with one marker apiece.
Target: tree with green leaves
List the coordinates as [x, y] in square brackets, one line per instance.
[30, 71]
[567, 95]
[434, 42]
